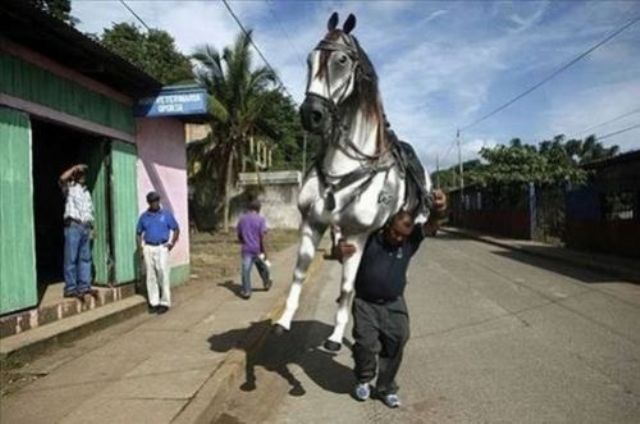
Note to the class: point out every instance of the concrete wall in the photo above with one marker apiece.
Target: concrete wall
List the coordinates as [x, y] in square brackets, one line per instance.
[279, 197]
[162, 166]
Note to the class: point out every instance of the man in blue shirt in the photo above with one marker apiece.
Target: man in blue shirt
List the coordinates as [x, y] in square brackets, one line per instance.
[380, 315]
[154, 228]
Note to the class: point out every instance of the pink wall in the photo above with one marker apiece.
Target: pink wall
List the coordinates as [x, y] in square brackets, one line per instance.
[162, 166]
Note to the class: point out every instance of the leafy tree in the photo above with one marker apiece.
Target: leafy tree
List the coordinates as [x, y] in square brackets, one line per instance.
[239, 104]
[522, 164]
[449, 178]
[154, 51]
[60, 9]
[282, 114]
[553, 161]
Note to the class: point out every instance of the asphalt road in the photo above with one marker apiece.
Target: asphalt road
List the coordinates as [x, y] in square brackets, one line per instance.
[496, 337]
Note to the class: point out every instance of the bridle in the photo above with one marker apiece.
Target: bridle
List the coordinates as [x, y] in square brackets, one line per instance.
[370, 164]
[349, 148]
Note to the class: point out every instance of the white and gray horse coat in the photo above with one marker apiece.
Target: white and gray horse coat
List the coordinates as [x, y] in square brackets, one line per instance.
[357, 183]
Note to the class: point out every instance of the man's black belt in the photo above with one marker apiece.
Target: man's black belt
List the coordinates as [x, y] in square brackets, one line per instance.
[69, 221]
[378, 301]
[162, 243]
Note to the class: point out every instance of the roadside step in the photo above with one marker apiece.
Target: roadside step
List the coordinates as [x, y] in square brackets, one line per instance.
[23, 346]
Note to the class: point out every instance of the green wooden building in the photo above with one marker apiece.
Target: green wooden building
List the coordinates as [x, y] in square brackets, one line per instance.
[65, 99]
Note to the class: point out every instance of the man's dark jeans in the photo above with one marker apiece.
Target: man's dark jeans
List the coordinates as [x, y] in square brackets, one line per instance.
[77, 258]
[380, 330]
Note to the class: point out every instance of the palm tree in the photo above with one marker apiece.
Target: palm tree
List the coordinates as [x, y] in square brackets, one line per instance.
[238, 102]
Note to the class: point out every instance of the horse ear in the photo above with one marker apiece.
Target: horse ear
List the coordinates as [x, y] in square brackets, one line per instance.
[350, 24]
[333, 21]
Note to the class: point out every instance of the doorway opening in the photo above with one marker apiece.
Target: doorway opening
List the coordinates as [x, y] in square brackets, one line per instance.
[55, 148]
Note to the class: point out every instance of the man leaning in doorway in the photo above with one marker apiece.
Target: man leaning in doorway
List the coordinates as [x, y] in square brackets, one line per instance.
[78, 232]
[154, 228]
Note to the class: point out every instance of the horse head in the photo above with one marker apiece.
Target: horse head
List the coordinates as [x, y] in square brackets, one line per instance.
[339, 71]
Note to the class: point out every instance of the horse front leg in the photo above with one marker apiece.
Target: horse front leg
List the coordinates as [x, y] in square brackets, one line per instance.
[349, 271]
[308, 244]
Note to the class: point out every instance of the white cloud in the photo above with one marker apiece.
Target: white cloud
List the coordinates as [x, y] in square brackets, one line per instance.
[438, 69]
[435, 14]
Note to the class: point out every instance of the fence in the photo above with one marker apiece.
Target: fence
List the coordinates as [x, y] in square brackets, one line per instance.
[602, 215]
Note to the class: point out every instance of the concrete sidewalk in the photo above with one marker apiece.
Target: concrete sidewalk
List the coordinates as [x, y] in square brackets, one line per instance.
[152, 369]
[627, 269]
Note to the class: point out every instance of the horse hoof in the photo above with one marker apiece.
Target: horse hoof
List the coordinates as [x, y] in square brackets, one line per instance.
[279, 330]
[332, 346]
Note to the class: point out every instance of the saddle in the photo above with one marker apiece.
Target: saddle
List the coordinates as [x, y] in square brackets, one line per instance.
[415, 180]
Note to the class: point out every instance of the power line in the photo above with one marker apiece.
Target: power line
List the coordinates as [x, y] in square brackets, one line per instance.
[135, 15]
[283, 29]
[246, 33]
[617, 118]
[611, 134]
[554, 73]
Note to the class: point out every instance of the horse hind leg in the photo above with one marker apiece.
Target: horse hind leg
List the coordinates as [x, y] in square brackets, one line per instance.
[349, 272]
[311, 237]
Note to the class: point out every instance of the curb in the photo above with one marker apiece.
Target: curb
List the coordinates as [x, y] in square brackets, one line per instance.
[208, 403]
[25, 346]
[592, 264]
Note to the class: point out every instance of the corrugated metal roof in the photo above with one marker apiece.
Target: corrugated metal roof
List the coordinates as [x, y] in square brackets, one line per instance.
[633, 156]
[26, 25]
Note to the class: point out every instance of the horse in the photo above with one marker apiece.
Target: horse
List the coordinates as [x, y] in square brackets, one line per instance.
[358, 181]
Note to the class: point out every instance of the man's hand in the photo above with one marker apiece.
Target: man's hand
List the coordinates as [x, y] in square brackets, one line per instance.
[439, 204]
[169, 246]
[343, 250]
[438, 212]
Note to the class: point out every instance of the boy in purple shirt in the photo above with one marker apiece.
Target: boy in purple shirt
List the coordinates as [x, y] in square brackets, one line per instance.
[251, 230]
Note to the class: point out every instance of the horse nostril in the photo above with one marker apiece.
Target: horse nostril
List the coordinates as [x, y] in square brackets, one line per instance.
[316, 116]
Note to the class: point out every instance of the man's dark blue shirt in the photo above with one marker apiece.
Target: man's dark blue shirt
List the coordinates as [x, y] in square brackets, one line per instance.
[382, 275]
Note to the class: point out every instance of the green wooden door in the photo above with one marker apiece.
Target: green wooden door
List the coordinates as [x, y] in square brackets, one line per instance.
[18, 287]
[95, 155]
[124, 197]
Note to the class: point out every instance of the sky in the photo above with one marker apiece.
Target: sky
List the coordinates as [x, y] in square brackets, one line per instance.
[441, 64]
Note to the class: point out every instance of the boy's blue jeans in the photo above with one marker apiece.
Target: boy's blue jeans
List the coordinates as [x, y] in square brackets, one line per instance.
[77, 258]
[247, 263]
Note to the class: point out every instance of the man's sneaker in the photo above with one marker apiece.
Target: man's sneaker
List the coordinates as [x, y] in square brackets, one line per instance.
[245, 295]
[163, 309]
[362, 392]
[391, 400]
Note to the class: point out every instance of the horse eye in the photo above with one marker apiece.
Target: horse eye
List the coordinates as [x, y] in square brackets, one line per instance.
[342, 59]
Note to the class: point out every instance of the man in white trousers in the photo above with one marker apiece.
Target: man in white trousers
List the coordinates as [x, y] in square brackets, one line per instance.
[155, 226]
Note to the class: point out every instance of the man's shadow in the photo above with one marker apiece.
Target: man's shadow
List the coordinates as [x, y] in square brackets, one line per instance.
[299, 346]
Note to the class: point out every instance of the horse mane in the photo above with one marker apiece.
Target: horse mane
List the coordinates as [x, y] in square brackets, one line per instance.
[367, 95]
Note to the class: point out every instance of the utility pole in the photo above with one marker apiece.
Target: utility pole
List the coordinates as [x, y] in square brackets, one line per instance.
[460, 168]
[304, 153]
[437, 171]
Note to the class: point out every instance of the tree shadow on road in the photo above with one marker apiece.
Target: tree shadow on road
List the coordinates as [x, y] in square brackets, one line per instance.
[300, 346]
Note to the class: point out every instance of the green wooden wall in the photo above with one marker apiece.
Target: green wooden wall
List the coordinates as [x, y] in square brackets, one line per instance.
[18, 289]
[124, 197]
[30, 82]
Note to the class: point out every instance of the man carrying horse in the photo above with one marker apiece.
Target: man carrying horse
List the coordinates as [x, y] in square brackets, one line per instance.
[380, 315]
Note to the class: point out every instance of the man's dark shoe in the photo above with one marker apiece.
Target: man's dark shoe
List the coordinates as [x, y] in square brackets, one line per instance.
[70, 294]
[92, 292]
[162, 309]
[245, 296]
[152, 309]
[268, 284]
